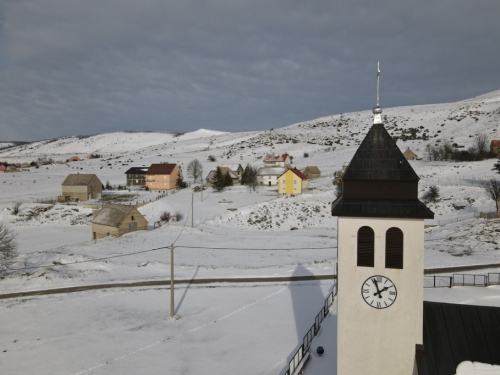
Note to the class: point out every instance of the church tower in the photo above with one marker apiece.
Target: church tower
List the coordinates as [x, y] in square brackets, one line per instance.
[380, 259]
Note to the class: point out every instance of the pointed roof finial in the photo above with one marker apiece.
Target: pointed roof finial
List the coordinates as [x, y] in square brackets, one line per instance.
[377, 111]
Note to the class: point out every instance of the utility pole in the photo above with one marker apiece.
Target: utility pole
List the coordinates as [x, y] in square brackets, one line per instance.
[171, 280]
[192, 210]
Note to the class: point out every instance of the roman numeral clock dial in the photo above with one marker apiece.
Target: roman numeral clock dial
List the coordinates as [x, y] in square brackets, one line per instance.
[379, 292]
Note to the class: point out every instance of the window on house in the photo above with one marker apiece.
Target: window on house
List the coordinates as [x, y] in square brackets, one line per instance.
[284, 181]
[394, 248]
[295, 182]
[132, 218]
[366, 247]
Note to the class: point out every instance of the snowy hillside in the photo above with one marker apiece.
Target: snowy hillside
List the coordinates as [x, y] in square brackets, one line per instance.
[234, 233]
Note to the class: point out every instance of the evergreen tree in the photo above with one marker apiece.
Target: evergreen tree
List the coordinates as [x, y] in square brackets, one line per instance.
[496, 166]
[218, 180]
[180, 184]
[228, 181]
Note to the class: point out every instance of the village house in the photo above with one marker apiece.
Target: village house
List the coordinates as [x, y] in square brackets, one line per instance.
[224, 170]
[162, 176]
[2, 168]
[81, 187]
[136, 177]
[75, 158]
[410, 155]
[274, 166]
[116, 220]
[495, 147]
[237, 169]
[292, 181]
[311, 171]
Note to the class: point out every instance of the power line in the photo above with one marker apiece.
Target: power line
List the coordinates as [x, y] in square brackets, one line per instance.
[167, 247]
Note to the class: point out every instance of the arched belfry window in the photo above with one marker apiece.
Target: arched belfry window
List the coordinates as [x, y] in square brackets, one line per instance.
[366, 247]
[394, 248]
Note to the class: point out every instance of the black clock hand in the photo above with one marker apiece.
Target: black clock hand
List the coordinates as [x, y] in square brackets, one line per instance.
[380, 291]
[374, 281]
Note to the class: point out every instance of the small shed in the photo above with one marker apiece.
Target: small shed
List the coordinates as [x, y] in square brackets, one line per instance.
[75, 158]
[495, 147]
[410, 155]
[2, 168]
[81, 187]
[312, 171]
[116, 220]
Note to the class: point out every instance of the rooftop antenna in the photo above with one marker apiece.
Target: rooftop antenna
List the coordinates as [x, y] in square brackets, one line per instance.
[377, 111]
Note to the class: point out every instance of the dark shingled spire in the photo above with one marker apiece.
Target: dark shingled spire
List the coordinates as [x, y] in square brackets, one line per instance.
[380, 182]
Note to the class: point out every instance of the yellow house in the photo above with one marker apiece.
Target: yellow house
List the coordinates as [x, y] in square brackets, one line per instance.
[292, 181]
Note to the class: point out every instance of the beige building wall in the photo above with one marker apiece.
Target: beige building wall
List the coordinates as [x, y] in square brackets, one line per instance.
[163, 182]
[76, 192]
[81, 192]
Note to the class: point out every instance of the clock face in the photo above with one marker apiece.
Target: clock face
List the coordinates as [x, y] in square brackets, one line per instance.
[379, 292]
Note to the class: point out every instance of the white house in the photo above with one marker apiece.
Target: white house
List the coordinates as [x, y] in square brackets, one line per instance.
[274, 166]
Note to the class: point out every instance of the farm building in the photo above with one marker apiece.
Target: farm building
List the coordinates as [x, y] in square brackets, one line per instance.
[81, 187]
[224, 170]
[312, 171]
[410, 155]
[116, 220]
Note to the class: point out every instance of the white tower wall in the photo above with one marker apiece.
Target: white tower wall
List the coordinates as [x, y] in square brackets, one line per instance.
[379, 341]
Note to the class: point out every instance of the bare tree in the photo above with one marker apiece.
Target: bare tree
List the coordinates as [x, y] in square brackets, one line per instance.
[195, 169]
[492, 189]
[249, 177]
[447, 150]
[8, 246]
[481, 144]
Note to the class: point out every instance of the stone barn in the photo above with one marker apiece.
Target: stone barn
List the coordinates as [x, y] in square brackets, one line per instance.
[81, 187]
[116, 220]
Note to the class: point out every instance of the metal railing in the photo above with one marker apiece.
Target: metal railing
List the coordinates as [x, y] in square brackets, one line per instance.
[438, 281]
[465, 279]
[301, 354]
[493, 278]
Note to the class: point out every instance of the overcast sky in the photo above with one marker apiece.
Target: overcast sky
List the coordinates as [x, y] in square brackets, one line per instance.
[93, 66]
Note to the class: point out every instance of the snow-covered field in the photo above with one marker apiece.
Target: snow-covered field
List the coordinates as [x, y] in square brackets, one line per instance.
[222, 329]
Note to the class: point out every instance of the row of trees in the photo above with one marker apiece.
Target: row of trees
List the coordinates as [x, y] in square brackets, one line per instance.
[451, 151]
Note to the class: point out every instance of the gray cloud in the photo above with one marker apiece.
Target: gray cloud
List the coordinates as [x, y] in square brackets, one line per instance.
[83, 67]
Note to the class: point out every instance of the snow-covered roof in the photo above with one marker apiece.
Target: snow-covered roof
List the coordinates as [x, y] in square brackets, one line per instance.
[271, 171]
[113, 214]
[275, 158]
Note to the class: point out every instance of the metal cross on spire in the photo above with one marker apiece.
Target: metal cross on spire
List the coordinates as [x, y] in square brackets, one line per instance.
[377, 111]
[378, 82]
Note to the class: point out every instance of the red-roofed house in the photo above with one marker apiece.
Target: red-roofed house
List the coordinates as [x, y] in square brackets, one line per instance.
[495, 147]
[2, 168]
[162, 176]
[75, 158]
[277, 160]
[292, 181]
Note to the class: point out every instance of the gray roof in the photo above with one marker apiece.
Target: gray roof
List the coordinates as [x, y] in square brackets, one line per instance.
[379, 158]
[455, 333]
[113, 214]
[79, 179]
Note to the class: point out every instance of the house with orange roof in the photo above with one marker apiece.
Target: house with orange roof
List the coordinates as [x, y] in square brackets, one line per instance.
[162, 176]
[292, 181]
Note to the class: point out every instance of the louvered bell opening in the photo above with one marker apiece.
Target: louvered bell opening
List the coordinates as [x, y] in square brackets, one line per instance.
[394, 248]
[366, 247]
